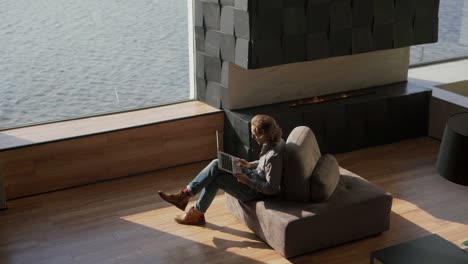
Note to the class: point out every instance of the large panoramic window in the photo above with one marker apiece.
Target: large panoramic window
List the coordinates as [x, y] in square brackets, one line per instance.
[64, 59]
[453, 35]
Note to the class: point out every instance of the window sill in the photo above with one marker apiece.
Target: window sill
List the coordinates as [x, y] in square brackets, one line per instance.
[46, 133]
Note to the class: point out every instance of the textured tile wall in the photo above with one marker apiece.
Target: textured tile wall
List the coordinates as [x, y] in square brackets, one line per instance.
[262, 33]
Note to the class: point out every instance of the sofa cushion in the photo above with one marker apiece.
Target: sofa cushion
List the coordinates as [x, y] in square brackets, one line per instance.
[324, 179]
[301, 154]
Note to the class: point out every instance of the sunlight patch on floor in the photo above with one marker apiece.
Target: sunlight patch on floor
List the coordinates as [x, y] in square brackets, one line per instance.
[425, 220]
[222, 232]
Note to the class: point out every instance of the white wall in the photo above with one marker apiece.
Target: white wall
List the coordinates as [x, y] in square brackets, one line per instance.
[307, 79]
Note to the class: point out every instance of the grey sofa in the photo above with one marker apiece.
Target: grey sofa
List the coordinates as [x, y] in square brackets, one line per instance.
[322, 204]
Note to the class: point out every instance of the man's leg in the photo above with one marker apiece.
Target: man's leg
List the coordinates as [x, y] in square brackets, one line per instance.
[204, 178]
[240, 191]
[181, 199]
[229, 184]
[204, 182]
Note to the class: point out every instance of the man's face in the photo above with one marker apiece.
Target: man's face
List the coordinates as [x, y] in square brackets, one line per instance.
[255, 136]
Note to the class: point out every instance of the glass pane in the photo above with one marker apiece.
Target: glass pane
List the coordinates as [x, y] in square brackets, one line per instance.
[62, 59]
[453, 34]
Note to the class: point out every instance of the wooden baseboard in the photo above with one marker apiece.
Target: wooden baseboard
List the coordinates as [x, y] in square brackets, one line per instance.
[63, 164]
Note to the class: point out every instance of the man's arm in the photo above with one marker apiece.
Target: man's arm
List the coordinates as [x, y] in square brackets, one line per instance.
[245, 164]
[273, 173]
[254, 164]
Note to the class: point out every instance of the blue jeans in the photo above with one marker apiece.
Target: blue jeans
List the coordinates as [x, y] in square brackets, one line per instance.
[210, 179]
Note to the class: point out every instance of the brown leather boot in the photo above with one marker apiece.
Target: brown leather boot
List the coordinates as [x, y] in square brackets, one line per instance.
[180, 200]
[192, 217]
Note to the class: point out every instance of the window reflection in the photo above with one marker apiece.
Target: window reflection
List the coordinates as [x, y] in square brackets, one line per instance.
[453, 35]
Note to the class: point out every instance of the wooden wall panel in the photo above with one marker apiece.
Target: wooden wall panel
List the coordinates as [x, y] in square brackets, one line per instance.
[57, 165]
[2, 190]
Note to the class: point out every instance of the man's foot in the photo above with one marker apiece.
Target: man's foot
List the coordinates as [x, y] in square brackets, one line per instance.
[192, 217]
[180, 200]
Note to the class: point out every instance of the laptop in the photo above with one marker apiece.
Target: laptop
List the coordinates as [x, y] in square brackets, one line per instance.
[226, 162]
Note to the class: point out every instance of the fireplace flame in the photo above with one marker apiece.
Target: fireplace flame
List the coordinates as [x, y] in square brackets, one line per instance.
[328, 98]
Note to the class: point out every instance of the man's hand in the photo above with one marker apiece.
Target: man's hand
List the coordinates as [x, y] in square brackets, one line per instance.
[242, 178]
[243, 163]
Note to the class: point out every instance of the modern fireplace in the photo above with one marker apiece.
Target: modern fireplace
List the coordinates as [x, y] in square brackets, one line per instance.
[374, 116]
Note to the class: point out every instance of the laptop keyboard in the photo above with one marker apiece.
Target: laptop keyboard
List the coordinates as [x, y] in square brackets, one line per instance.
[226, 162]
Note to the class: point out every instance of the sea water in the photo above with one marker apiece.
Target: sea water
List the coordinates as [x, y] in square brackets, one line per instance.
[62, 59]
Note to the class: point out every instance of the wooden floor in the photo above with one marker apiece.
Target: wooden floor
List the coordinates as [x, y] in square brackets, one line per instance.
[124, 221]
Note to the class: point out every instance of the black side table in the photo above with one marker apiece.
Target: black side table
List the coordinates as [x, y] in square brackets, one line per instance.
[452, 162]
[431, 249]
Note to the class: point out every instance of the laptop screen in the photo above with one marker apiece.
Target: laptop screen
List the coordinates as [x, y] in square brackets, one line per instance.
[217, 141]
